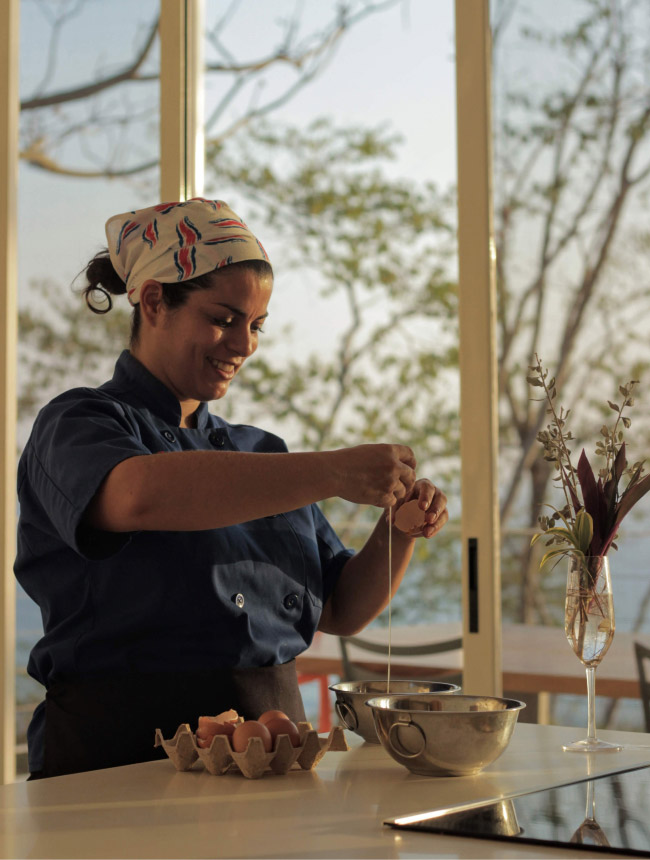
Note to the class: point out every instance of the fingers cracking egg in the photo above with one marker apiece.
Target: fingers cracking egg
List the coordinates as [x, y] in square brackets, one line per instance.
[410, 517]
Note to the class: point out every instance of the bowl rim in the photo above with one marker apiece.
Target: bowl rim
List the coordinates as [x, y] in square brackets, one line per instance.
[451, 688]
[511, 705]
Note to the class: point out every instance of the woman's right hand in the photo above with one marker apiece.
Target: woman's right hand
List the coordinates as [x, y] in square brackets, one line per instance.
[377, 474]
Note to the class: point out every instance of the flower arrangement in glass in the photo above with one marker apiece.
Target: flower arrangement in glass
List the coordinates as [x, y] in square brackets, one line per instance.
[586, 528]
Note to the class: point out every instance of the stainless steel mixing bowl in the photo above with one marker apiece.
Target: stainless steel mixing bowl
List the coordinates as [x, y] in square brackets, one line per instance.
[436, 735]
[351, 697]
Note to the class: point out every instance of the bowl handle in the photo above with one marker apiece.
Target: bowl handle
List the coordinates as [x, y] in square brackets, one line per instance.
[347, 716]
[395, 744]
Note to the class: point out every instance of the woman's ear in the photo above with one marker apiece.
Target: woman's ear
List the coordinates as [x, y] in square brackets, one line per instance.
[151, 301]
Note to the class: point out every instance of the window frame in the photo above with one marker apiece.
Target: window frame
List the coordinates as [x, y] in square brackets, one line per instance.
[479, 446]
[9, 98]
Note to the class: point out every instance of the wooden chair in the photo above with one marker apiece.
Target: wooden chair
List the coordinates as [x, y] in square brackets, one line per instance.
[642, 654]
[354, 672]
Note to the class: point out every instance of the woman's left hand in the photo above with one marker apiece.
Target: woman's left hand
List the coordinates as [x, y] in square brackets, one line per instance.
[433, 501]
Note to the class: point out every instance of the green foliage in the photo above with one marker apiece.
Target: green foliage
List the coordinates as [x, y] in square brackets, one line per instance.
[61, 345]
[594, 508]
[381, 250]
[378, 249]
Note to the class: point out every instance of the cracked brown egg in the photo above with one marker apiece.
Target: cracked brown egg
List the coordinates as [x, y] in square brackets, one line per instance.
[410, 517]
[222, 724]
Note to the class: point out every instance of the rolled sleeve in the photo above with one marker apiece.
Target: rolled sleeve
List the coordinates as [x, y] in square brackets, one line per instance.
[77, 440]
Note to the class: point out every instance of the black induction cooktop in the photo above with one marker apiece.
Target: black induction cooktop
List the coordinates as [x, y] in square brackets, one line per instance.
[608, 814]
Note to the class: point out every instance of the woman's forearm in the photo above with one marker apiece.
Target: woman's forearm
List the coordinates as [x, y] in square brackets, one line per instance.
[362, 591]
[195, 490]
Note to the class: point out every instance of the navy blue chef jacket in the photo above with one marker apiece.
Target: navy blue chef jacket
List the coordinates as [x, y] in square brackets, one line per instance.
[246, 595]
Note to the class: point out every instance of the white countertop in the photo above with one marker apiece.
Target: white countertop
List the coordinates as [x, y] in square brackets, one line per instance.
[336, 810]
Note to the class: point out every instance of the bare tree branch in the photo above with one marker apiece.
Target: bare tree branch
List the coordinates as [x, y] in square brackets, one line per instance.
[307, 56]
[35, 156]
[555, 185]
[129, 73]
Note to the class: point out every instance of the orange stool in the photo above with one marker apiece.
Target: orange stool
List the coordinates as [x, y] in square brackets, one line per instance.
[324, 708]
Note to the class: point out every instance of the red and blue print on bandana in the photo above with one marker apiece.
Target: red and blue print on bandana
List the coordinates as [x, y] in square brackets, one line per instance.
[150, 233]
[164, 208]
[127, 228]
[185, 262]
[187, 233]
[222, 239]
[229, 222]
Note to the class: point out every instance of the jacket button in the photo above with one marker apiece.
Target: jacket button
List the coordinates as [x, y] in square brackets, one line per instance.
[169, 436]
[216, 439]
[290, 601]
[239, 600]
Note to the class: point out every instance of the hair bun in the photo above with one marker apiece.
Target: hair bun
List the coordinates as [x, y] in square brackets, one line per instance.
[103, 281]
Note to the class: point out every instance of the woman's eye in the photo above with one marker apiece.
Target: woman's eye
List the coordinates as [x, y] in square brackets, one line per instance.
[221, 322]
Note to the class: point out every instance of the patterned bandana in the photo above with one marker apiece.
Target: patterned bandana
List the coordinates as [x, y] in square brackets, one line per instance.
[177, 241]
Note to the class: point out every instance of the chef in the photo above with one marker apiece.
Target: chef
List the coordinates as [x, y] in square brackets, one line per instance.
[181, 562]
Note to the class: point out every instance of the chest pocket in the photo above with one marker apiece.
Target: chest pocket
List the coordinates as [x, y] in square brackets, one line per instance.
[258, 591]
[262, 612]
[267, 582]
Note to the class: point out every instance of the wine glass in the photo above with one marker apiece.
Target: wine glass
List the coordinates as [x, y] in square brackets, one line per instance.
[589, 627]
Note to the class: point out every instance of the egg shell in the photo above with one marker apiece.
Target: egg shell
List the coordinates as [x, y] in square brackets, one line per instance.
[271, 715]
[280, 726]
[251, 729]
[213, 725]
[230, 716]
[410, 517]
[209, 727]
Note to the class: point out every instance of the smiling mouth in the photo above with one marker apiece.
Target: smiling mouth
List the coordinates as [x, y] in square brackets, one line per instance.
[225, 368]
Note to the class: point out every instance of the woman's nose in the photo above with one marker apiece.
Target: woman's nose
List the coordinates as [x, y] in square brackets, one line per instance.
[243, 341]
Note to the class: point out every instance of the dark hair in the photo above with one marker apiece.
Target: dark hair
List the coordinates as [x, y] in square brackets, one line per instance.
[104, 282]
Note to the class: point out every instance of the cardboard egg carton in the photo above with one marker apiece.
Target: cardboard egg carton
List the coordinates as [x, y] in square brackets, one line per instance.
[219, 757]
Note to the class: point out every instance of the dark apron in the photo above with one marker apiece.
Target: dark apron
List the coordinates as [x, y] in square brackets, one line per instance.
[93, 723]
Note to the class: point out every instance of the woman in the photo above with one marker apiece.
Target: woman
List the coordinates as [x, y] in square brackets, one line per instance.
[181, 562]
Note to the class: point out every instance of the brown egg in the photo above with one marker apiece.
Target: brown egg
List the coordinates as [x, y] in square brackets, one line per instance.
[271, 715]
[410, 517]
[251, 729]
[281, 726]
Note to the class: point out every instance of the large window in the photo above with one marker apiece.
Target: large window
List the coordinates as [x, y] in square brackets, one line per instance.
[571, 178]
[331, 128]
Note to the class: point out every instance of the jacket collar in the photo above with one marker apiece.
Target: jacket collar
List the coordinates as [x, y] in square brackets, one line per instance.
[142, 389]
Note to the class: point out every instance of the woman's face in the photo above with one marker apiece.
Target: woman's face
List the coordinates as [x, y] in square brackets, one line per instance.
[198, 348]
